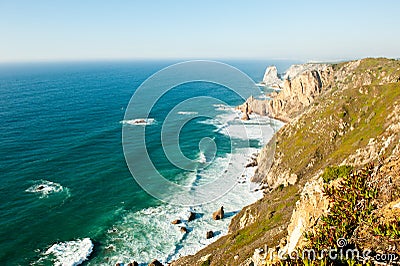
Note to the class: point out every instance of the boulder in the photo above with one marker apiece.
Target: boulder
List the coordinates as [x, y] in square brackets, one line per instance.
[209, 234]
[155, 263]
[218, 215]
[177, 221]
[192, 216]
[184, 229]
[252, 163]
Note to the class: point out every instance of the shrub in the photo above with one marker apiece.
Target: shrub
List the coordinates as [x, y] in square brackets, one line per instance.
[334, 172]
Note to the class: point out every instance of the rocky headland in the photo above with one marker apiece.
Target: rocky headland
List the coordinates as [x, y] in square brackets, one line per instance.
[335, 172]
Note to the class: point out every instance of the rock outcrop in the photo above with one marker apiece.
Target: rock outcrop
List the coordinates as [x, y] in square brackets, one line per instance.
[192, 216]
[301, 86]
[209, 234]
[311, 205]
[218, 215]
[348, 113]
[155, 263]
[271, 78]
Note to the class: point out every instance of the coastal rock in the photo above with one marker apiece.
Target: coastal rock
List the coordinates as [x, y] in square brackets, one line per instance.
[245, 111]
[336, 99]
[253, 105]
[245, 117]
[209, 234]
[133, 263]
[183, 229]
[301, 85]
[192, 216]
[205, 260]
[264, 160]
[253, 162]
[155, 263]
[271, 78]
[176, 221]
[311, 205]
[218, 215]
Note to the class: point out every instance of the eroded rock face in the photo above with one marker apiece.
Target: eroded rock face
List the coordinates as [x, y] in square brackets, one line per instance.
[311, 205]
[271, 78]
[301, 86]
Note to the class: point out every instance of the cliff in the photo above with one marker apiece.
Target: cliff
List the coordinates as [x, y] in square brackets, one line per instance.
[301, 85]
[335, 172]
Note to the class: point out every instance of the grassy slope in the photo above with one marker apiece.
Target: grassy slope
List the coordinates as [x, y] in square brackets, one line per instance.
[338, 123]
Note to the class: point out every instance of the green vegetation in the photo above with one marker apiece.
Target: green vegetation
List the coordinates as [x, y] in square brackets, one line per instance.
[352, 112]
[389, 228]
[332, 173]
[273, 215]
[344, 120]
[352, 202]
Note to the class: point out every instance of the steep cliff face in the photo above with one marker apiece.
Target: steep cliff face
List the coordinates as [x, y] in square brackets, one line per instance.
[353, 119]
[300, 88]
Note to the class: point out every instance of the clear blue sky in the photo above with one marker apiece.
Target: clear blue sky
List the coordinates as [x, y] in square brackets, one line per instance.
[35, 30]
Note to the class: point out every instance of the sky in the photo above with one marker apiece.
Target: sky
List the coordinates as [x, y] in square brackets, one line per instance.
[56, 30]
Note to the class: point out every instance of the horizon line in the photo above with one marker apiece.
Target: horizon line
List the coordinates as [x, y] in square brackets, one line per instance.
[83, 60]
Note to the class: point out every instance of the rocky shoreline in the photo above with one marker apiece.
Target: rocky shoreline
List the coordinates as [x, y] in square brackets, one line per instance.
[334, 117]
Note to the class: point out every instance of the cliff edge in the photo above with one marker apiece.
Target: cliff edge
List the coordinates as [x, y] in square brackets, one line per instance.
[335, 172]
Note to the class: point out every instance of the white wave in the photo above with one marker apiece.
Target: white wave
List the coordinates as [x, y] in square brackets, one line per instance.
[187, 113]
[202, 158]
[139, 121]
[222, 107]
[45, 188]
[229, 123]
[70, 253]
[149, 233]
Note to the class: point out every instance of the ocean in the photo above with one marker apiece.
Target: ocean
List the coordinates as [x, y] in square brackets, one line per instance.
[67, 193]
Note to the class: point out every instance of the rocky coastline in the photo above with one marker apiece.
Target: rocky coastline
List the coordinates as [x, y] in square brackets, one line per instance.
[339, 116]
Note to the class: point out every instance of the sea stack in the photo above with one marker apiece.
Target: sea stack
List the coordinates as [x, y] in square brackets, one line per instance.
[218, 215]
[192, 216]
[245, 116]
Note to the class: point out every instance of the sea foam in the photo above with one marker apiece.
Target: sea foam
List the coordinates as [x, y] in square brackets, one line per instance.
[139, 121]
[69, 253]
[44, 188]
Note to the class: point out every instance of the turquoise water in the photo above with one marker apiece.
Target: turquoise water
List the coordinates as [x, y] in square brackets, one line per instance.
[61, 123]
